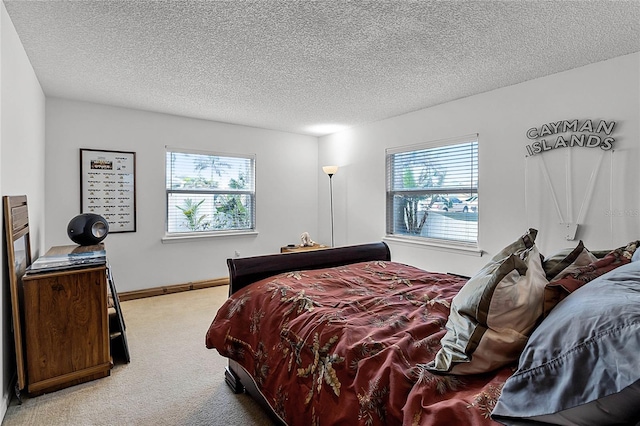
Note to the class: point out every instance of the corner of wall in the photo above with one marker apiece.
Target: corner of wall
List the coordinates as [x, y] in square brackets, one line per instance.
[22, 151]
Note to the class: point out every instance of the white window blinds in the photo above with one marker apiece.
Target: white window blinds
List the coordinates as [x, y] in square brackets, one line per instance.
[209, 192]
[432, 191]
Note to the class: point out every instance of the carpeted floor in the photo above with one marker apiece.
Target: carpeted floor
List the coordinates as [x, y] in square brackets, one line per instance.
[172, 378]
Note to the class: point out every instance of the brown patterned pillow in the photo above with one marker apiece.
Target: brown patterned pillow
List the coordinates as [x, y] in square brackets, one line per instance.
[566, 260]
[576, 276]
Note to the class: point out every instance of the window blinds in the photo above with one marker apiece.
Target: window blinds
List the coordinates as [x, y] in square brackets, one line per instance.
[209, 192]
[432, 190]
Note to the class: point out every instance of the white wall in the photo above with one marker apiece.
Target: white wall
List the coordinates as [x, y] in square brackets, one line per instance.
[607, 90]
[286, 180]
[22, 106]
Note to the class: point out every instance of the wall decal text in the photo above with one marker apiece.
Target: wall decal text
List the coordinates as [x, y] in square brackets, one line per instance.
[571, 133]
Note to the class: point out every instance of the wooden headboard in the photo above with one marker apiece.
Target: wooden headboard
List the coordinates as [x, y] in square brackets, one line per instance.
[16, 221]
[246, 270]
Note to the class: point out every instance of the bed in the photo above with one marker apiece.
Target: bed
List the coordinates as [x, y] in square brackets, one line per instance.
[348, 336]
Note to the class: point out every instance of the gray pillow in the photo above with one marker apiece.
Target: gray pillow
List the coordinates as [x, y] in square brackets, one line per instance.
[585, 351]
[494, 313]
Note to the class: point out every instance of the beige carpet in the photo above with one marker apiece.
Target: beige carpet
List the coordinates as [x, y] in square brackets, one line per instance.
[172, 378]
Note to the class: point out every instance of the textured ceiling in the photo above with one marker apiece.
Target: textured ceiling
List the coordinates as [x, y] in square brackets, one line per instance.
[289, 65]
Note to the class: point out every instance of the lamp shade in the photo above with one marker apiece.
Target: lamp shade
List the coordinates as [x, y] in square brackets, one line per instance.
[87, 229]
[330, 170]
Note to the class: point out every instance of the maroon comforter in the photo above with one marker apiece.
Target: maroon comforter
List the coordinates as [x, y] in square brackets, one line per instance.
[348, 345]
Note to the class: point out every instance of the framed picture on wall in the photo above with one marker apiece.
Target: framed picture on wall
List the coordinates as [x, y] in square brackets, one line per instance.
[108, 187]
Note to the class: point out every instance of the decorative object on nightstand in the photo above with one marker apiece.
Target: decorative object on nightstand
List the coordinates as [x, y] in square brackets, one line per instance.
[330, 171]
[306, 241]
[87, 229]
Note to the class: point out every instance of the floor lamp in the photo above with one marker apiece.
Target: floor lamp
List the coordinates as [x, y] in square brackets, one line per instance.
[330, 171]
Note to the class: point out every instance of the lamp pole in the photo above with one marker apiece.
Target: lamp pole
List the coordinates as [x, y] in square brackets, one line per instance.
[330, 171]
[331, 202]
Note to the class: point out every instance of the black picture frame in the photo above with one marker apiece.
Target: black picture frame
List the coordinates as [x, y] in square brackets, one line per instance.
[108, 187]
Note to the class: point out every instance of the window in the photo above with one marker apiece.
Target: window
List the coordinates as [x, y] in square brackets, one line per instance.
[209, 193]
[432, 192]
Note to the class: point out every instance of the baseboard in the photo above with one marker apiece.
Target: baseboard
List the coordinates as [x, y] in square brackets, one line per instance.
[177, 288]
[8, 394]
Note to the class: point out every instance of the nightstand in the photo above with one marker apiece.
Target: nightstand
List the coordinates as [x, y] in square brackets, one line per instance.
[298, 248]
[67, 336]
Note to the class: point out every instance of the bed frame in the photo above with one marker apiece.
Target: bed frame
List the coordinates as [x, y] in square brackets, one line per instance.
[247, 270]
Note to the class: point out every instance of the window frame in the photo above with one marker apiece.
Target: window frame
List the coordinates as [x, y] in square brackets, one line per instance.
[208, 233]
[390, 193]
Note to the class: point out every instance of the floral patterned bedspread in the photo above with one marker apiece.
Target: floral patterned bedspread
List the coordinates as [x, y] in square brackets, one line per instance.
[349, 345]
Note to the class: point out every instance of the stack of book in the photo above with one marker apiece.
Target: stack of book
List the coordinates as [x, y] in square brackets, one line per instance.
[49, 263]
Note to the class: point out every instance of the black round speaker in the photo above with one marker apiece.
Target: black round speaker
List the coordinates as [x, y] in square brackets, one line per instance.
[87, 229]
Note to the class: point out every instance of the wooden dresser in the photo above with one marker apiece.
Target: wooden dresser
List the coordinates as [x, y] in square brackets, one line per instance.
[66, 325]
